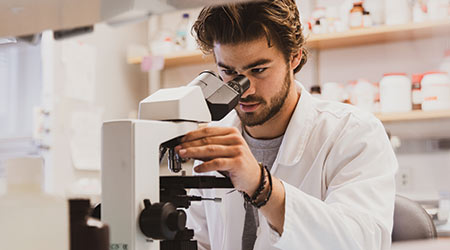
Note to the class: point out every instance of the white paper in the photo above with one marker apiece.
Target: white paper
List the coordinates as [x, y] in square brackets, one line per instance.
[79, 60]
[85, 140]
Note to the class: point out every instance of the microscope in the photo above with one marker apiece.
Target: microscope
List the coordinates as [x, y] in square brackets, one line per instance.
[142, 208]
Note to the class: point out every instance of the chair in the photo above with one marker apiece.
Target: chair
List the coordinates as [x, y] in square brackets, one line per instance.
[411, 221]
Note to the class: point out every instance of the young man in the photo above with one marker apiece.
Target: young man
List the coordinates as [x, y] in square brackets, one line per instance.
[328, 180]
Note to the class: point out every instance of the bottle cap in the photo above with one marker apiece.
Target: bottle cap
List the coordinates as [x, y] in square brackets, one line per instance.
[315, 88]
[434, 72]
[395, 74]
[185, 15]
[25, 171]
[417, 78]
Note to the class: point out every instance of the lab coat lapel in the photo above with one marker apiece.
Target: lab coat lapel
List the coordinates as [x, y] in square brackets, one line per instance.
[297, 132]
[233, 213]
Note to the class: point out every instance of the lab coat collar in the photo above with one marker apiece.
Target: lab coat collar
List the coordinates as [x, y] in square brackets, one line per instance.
[298, 130]
[296, 134]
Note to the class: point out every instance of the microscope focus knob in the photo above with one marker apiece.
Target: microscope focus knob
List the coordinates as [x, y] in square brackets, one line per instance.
[161, 221]
[176, 221]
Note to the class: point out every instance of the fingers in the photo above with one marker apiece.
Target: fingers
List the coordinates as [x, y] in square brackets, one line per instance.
[219, 148]
[218, 164]
[209, 152]
[208, 132]
[229, 139]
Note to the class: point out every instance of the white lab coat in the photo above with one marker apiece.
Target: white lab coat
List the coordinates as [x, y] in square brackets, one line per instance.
[337, 167]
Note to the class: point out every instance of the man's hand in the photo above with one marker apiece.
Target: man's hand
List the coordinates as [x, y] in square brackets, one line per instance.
[222, 149]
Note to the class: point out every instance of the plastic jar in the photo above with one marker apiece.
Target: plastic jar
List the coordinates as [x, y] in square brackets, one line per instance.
[367, 19]
[397, 12]
[333, 91]
[435, 91]
[395, 93]
[363, 95]
[376, 9]
[419, 12]
[437, 9]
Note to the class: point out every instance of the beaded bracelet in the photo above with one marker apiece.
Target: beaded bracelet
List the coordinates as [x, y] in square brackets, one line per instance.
[264, 202]
[262, 184]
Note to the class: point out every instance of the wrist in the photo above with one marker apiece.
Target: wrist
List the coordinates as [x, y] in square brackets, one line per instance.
[264, 190]
[258, 185]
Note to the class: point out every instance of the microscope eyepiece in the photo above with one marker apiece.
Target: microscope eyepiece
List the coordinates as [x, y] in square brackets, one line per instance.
[221, 97]
[240, 84]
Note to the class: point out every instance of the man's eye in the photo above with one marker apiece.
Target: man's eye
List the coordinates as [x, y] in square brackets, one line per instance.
[229, 71]
[258, 70]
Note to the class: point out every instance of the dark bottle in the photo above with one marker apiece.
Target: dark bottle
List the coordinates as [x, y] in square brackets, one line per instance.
[86, 233]
[416, 92]
[315, 91]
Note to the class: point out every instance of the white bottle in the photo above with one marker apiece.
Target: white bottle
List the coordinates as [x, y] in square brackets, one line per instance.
[419, 14]
[376, 9]
[435, 91]
[395, 93]
[356, 16]
[333, 91]
[397, 12]
[29, 218]
[437, 9]
[363, 95]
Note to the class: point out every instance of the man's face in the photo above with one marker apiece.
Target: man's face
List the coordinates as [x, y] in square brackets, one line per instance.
[267, 71]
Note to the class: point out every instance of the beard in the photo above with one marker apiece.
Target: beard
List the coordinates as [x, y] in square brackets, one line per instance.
[252, 119]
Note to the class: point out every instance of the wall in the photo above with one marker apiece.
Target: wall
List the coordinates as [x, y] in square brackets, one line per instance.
[112, 90]
[424, 169]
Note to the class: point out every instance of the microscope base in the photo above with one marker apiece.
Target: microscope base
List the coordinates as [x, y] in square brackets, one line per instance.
[178, 245]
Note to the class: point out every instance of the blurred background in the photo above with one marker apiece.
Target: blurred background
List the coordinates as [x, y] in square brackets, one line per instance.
[391, 58]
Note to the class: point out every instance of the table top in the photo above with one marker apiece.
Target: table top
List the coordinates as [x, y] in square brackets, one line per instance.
[437, 244]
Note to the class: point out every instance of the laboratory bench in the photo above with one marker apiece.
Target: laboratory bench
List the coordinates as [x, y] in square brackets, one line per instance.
[437, 244]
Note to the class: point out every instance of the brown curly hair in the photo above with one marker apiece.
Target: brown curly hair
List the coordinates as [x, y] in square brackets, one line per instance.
[277, 20]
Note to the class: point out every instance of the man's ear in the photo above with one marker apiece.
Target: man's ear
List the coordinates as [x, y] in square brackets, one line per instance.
[296, 59]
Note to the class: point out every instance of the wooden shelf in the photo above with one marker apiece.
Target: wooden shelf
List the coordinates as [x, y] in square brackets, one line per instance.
[179, 58]
[349, 38]
[413, 116]
[380, 34]
[186, 57]
[421, 124]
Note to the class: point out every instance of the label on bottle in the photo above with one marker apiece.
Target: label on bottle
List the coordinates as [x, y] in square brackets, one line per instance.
[119, 247]
[356, 19]
[417, 97]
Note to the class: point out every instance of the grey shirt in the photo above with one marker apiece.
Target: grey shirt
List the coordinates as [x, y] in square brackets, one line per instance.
[265, 151]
